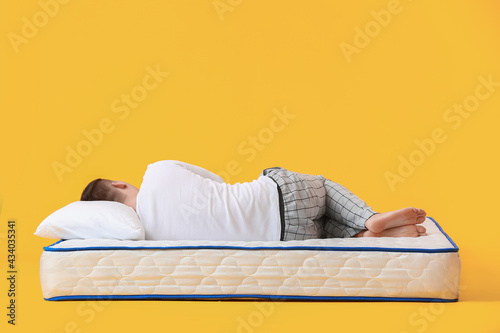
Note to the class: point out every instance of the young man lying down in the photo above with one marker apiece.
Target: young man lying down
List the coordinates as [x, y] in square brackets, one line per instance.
[179, 201]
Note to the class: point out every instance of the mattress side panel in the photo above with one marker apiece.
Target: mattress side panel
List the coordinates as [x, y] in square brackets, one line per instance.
[250, 272]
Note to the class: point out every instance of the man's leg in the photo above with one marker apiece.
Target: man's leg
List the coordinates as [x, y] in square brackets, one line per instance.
[347, 215]
[303, 203]
[335, 229]
[345, 207]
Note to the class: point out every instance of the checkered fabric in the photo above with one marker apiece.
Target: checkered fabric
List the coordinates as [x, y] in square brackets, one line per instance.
[316, 207]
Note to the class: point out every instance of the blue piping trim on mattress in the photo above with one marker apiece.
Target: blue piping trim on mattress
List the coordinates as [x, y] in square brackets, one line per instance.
[249, 296]
[444, 233]
[59, 241]
[286, 248]
[223, 247]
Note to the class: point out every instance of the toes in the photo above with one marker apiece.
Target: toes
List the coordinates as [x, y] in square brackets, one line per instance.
[420, 229]
[421, 215]
[420, 219]
[421, 212]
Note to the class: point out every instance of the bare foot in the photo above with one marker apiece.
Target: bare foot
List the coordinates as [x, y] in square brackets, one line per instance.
[406, 216]
[409, 230]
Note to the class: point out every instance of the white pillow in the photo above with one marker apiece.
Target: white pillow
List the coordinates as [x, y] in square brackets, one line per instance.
[92, 219]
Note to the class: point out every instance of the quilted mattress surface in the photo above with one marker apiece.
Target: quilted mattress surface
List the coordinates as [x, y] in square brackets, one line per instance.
[386, 269]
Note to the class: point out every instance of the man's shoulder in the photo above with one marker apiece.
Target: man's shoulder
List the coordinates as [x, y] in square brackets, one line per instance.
[165, 163]
[161, 166]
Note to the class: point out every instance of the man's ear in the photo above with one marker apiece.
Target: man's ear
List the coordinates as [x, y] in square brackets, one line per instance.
[118, 184]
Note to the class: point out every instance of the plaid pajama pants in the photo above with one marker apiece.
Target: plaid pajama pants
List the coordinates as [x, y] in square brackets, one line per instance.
[316, 207]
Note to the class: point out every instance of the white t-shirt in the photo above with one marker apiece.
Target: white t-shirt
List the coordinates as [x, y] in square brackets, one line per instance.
[179, 201]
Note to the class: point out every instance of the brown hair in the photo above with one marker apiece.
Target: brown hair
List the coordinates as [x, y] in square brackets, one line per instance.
[101, 189]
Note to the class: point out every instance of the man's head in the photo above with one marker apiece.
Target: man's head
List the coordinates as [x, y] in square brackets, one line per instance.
[105, 189]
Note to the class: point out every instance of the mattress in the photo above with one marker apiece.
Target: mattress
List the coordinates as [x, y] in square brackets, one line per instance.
[357, 269]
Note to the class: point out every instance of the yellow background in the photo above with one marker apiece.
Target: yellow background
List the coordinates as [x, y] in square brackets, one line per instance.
[230, 69]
